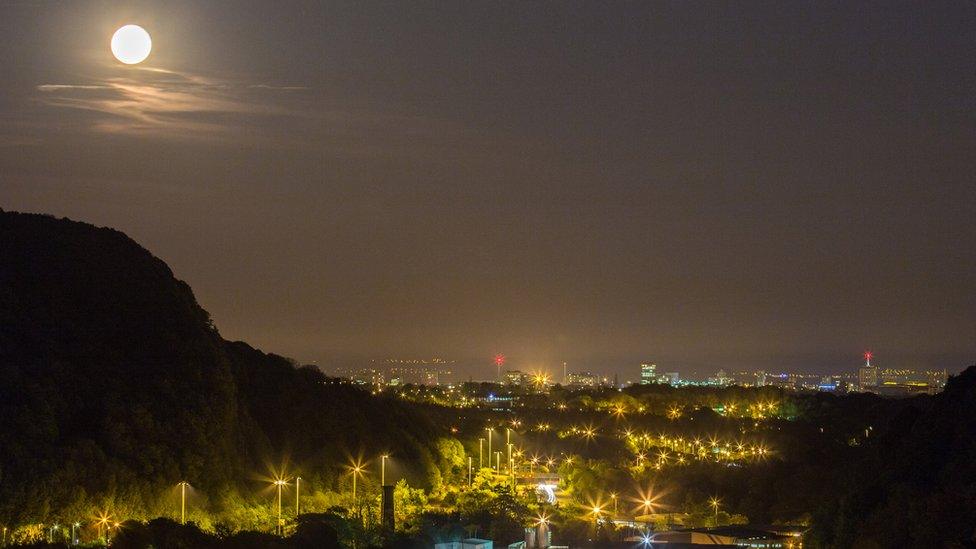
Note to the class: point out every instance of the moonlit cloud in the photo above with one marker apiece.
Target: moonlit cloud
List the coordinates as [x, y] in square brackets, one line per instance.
[153, 102]
[63, 87]
[157, 101]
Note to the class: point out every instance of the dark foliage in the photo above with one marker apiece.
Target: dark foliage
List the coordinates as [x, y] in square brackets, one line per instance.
[915, 484]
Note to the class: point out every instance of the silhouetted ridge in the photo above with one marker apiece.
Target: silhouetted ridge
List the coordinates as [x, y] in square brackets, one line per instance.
[114, 386]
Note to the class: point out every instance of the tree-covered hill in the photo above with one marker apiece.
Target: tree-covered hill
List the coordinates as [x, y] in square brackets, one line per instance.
[915, 484]
[115, 385]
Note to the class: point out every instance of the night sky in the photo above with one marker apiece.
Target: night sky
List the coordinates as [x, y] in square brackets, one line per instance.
[745, 184]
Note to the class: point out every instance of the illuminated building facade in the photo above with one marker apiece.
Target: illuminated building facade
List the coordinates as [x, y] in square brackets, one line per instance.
[582, 379]
[647, 373]
[907, 382]
[516, 377]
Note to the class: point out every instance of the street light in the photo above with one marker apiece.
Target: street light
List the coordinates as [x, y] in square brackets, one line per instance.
[74, 537]
[511, 463]
[183, 486]
[508, 446]
[470, 460]
[613, 496]
[596, 514]
[298, 484]
[714, 502]
[383, 459]
[481, 444]
[102, 522]
[279, 484]
[489, 443]
[355, 470]
[513, 473]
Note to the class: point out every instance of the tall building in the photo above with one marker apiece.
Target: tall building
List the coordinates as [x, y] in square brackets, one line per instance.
[867, 375]
[647, 373]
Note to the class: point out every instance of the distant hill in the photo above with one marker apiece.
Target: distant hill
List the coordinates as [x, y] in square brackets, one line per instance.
[115, 385]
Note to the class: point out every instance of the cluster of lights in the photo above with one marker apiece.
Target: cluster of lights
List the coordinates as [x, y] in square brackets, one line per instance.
[585, 432]
[659, 451]
[755, 410]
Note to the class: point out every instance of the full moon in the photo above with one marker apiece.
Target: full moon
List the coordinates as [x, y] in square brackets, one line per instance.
[131, 44]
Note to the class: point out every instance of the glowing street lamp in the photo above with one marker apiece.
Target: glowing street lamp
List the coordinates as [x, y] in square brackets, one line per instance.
[383, 459]
[541, 519]
[279, 484]
[355, 472]
[511, 463]
[613, 496]
[498, 462]
[481, 451]
[470, 460]
[508, 446]
[102, 522]
[714, 502]
[74, 536]
[183, 486]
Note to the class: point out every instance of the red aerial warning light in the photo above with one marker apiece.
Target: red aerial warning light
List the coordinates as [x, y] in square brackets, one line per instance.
[499, 359]
[868, 355]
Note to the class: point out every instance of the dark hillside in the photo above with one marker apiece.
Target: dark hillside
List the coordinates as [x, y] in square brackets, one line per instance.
[114, 386]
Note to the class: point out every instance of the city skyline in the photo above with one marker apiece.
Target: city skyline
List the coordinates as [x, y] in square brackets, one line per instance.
[456, 371]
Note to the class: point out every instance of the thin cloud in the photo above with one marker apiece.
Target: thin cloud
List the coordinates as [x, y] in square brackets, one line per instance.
[61, 87]
[155, 102]
[273, 87]
[162, 101]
